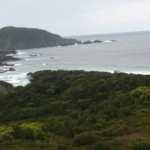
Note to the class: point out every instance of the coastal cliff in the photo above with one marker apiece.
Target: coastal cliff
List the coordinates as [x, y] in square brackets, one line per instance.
[12, 38]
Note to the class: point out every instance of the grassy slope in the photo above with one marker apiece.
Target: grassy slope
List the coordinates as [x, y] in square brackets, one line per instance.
[77, 110]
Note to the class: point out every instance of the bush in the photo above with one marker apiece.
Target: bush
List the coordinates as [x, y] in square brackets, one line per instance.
[30, 131]
[62, 148]
[5, 133]
[113, 130]
[141, 95]
[101, 146]
[86, 138]
[141, 146]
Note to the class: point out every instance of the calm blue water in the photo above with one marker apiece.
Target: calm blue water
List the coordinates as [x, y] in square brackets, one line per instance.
[130, 53]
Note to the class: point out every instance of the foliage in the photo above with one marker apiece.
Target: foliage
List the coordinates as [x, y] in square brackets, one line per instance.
[84, 139]
[141, 146]
[5, 133]
[29, 131]
[75, 109]
[102, 146]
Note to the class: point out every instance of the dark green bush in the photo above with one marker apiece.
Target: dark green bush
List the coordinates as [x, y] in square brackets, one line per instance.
[101, 146]
[118, 129]
[62, 148]
[141, 146]
[86, 138]
[29, 131]
[6, 133]
[62, 104]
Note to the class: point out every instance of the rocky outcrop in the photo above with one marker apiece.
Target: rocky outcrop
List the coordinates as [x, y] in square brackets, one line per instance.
[90, 42]
[97, 41]
[87, 42]
[4, 58]
[12, 38]
[12, 69]
[3, 71]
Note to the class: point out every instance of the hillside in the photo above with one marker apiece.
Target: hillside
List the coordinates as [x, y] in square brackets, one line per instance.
[12, 38]
[77, 110]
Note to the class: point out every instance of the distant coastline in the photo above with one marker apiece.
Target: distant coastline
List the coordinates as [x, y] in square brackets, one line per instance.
[13, 38]
[129, 54]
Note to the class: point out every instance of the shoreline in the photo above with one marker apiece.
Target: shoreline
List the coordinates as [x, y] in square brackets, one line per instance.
[4, 59]
[19, 78]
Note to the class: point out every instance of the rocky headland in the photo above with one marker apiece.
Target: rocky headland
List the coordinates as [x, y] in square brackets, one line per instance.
[12, 38]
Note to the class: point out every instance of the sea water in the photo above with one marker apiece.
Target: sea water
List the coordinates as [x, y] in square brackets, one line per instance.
[129, 53]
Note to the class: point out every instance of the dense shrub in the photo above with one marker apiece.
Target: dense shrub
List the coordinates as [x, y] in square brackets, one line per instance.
[6, 133]
[141, 146]
[113, 130]
[30, 131]
[62, 148]
[102, 146]
[58, 105]
[141, 95]
[86, 138]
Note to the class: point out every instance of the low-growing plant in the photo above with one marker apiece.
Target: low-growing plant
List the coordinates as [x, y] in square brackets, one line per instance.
[141, 146]
[85, 138]
[30, 131]
[6, 133]
[102, 146]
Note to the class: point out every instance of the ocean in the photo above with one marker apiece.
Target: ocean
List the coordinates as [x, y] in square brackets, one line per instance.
[129, 53]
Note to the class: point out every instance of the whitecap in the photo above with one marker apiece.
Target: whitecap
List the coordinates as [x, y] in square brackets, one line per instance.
[10, 55]
[20, 53]
[35, 55]
[17, 64]
[108, 41]
[37, 59]
[15, 79]
[21, 56]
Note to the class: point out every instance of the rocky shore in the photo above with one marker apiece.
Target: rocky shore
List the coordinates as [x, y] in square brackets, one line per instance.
[13, 38]
[4, 58]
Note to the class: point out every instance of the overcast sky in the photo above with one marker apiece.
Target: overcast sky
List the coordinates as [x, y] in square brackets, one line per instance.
[77, 17]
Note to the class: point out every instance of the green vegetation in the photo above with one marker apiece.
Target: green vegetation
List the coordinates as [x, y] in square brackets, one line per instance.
[141, 146]
[5, 87]
[77, 110]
